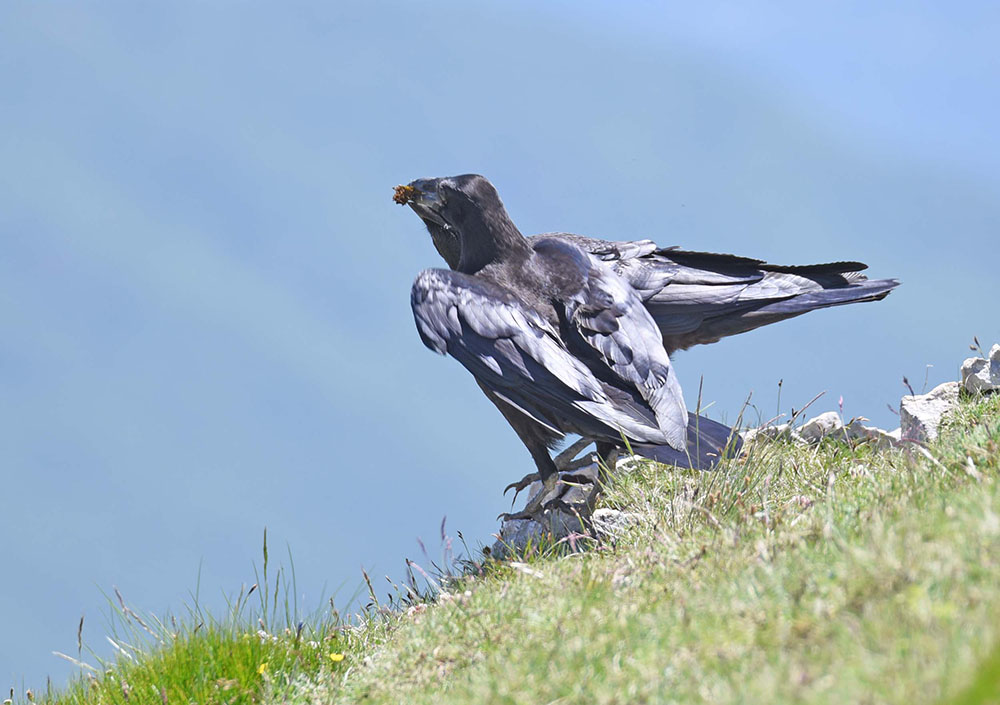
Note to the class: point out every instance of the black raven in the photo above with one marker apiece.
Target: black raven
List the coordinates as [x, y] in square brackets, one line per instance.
[571, 335]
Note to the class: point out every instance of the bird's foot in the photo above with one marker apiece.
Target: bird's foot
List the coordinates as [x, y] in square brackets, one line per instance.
[519, 486]
[537, 504]
[566, 462]
[553, 496]
[571, 472]
[538, 512]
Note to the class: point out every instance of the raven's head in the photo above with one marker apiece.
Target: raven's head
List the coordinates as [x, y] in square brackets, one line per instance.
[457, 210]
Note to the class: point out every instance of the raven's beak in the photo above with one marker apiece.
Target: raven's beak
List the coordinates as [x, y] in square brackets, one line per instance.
[423, 197]
[403, 194]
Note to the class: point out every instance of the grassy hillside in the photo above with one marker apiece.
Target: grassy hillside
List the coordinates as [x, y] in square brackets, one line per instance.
[830, 574]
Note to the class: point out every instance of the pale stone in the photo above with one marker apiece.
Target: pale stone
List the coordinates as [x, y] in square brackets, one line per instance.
[782, 431]
[819, 427]
[920, 415]
[981, 375]
[610, 522]
[879, 438]
[976, 376]
[627, 463]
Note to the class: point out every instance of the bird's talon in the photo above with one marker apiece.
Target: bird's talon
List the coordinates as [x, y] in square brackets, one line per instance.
[521, 484]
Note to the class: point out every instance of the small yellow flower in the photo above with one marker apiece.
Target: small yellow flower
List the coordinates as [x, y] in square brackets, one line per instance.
[336, 658]
[262, 668]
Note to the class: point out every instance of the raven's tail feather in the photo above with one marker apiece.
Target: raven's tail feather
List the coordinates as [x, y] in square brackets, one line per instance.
[867, 290]
[708, 443]
[703, 315]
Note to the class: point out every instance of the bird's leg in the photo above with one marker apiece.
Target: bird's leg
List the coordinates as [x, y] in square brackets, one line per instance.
[540, 502]
[567, 466]
[565, 462]
[536, 506]
[607, 454]
[561, 481]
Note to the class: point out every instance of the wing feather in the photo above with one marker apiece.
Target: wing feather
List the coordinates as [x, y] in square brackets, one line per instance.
[512, 350]
[700, 297]
[611, 317]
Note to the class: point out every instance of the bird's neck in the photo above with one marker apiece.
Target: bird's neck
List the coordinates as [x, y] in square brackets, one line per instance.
[447, 243]
[495, 241]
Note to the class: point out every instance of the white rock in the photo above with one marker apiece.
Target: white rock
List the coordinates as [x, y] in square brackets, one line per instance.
[783, 431]
[821, 426]
[609, 522]
[857, 431]
[976, 375]
[980, 375]
[830, 425]
[628, 463]
[920, 415]
[880, 438]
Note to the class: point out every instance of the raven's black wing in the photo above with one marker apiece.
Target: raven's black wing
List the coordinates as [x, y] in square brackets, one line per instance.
[610, 317]
[700, 297]
[513, 351]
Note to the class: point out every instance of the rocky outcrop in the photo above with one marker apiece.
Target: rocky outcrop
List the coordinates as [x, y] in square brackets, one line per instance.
[826, 425]
[880, 438]
[980, 375]
[783, 431]
[819, 427]
[920, 417]
[921, 414]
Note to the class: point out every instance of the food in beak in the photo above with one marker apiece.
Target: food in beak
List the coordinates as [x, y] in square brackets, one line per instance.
[403, 194]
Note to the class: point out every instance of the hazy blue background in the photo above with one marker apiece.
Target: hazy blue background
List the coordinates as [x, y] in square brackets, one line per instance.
[204, 284]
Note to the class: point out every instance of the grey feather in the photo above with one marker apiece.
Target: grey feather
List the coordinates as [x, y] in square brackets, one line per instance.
[572, 334]
[513, 351]
[700, 297]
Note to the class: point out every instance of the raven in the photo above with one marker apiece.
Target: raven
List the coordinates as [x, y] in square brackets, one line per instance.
[572, 335]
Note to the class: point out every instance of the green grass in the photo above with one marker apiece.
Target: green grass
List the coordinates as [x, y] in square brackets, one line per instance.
[801, 574]
[259, 647]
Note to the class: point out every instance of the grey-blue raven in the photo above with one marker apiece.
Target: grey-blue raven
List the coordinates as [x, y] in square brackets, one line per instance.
[572, 335]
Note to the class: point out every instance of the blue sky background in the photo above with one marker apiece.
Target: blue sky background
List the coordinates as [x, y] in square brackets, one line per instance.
[204, 283]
